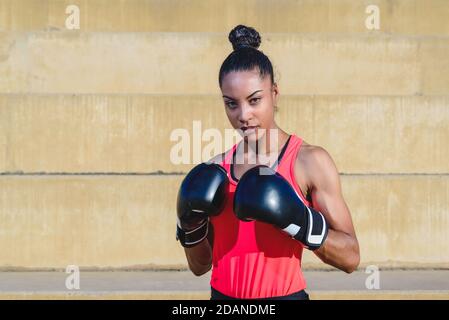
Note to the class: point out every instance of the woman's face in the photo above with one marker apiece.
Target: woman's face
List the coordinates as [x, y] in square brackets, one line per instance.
[249, 102]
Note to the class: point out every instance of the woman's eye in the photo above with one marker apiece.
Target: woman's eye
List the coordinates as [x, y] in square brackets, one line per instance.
[255, 100]
[231, 105]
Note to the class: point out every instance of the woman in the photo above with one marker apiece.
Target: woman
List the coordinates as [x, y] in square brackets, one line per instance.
[254, 259]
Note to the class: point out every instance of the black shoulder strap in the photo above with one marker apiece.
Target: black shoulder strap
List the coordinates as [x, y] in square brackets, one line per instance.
[284, 148]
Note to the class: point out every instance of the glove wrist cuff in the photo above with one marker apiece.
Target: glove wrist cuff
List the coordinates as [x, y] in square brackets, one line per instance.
[191, 238]
[316, 232]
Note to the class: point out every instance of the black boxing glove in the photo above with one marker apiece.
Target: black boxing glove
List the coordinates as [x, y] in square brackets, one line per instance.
[203, 193]
[264, 195]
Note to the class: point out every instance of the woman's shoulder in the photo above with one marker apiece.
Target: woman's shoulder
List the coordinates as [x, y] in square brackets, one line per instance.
[310, 153]
[314, 161]
[218, 159]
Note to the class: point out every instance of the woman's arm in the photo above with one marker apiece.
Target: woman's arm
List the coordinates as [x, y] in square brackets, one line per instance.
[341, 248]
[199, 258]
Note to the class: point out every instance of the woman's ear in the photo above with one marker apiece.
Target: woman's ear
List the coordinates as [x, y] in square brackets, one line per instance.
[275, 94]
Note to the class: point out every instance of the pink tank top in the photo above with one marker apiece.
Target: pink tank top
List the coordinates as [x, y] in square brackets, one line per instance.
[254, 259]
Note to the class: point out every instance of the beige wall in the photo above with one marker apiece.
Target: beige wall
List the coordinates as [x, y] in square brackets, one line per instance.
[86, 118]
[128, 221]
[188, 63]
[408, 17]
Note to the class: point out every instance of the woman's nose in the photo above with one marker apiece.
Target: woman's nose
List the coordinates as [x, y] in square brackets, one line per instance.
[245, 114]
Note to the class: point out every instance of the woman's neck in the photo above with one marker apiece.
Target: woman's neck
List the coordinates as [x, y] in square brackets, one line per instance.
[265, 149]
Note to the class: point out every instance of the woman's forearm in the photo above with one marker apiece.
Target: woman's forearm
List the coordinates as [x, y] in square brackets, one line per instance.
[340, 250]
[199, 258]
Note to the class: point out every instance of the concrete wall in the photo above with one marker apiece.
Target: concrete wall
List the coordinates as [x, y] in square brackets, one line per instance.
[135, 63]
[405, 17]
[86, 117]
[118, 221]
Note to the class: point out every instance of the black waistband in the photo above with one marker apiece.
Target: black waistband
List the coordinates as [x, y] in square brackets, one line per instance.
[300, 295]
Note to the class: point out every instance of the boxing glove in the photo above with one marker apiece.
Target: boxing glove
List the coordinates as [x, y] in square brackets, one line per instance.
[264, 195]
[202, 194]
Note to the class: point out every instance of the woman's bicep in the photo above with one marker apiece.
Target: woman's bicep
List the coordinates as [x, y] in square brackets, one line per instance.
[327, 195]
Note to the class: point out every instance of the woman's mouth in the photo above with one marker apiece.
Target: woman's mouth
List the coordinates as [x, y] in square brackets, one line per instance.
[249, 129]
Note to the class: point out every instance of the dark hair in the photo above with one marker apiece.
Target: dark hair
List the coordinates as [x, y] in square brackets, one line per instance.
[245, 57]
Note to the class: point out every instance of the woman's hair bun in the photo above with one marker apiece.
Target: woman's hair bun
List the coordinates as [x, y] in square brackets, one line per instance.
[243, 36]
